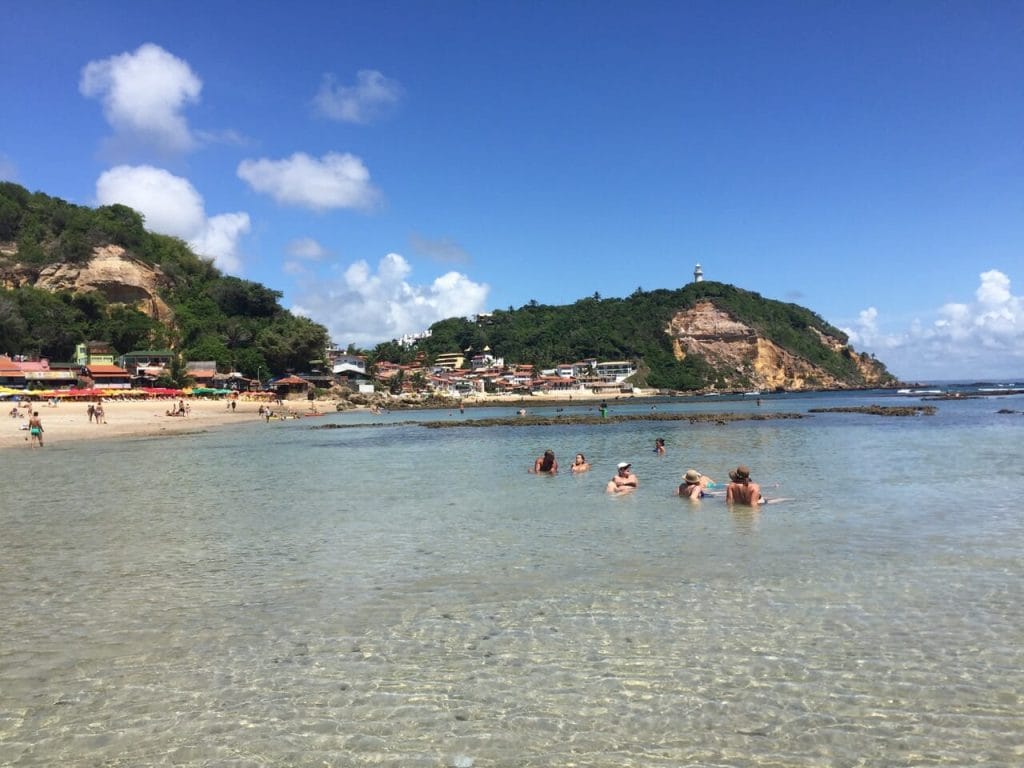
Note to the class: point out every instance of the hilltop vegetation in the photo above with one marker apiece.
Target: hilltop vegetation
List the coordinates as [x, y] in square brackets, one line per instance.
[241, 324]
[635, 329]
[236, 322]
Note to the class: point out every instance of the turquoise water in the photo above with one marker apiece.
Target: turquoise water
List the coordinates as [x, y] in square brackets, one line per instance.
[402, 596]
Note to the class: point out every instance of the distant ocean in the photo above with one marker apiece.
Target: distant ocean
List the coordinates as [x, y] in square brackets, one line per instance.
[391, 595]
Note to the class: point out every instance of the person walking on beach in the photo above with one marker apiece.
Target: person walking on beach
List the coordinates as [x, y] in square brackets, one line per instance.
[624, 480]
[743, 490]
[35, 429]
[91, 410]
[546, 464]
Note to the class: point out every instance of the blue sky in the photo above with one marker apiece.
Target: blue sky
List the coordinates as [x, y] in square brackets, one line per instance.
[388, 164]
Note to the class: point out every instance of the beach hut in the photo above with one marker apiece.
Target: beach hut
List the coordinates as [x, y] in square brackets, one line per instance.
[291, 385]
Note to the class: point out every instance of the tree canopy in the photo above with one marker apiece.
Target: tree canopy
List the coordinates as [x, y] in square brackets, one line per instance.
[236, 322]
[635, 329]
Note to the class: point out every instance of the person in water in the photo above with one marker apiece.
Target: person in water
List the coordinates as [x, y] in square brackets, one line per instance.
[579, 464]
[659, 446]
[624, 480]
[546, 464]
[691, 487]
[743, 490]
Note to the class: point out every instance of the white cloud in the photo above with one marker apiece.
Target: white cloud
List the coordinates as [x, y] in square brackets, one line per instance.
[306, 248]
[374, 96]
[303, 249]
[143, 94]
[365, 307]
[172, 206]
[334, 181]
[219, 239]
[444, 250]
[966, 340]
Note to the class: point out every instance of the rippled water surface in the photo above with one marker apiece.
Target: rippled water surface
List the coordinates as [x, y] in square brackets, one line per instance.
[403, 596]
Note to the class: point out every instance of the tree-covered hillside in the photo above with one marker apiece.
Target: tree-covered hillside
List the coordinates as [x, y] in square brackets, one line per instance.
[634, 328]
[236, 322]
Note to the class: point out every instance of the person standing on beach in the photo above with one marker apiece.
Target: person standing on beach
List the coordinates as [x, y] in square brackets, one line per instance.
[624, 480]
[743, 490]
[91, 410]
[35, 429]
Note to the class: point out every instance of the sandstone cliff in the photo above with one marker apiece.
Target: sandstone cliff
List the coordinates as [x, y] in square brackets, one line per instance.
[745, 359]
[112, 271]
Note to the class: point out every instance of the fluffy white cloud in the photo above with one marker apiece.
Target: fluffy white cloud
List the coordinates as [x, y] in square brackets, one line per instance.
[143, 94]
[365, 306]
[334, 181]
[966, 340]
[219, 240]
[172, 206]
[372, 97]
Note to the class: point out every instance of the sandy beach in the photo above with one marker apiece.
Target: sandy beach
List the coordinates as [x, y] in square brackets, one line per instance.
[69, 421]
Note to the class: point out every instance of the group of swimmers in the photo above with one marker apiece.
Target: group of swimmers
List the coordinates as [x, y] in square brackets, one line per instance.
[695, 486]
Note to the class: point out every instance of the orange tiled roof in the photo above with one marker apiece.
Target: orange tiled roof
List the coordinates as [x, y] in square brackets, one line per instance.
[9, 368]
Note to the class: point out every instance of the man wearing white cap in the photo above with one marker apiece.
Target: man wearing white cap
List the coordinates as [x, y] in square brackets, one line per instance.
[624, 480]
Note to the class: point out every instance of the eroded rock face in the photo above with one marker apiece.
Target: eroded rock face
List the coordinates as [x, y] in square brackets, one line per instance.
[730, 345]
[120, 277]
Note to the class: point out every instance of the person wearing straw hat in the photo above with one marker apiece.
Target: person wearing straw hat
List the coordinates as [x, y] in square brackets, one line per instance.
[692, 486]
[743, 490]
[624, 480]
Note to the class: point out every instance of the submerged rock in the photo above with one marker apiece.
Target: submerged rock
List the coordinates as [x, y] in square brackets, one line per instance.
[880, 410]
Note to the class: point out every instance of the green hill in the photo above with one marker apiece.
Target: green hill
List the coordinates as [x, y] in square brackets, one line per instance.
[207, 315]
[704, 335]
[778, 345]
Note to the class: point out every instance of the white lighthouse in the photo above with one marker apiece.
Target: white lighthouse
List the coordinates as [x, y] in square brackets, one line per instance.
[698, 274]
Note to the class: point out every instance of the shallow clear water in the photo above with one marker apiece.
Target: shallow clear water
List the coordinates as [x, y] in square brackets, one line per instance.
[397, 595]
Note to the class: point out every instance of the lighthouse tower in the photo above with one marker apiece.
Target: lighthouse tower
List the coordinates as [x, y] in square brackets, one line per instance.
[698, 274]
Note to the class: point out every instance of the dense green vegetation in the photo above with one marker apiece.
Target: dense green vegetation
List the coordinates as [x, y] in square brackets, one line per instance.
[634, 328]
[237, 323]
[242, 326]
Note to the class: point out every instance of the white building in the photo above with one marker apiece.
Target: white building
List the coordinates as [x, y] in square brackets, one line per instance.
[614, 370]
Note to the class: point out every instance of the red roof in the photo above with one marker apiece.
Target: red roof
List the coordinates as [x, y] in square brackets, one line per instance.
[106, 370]
[8, 367]
[290, 380]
